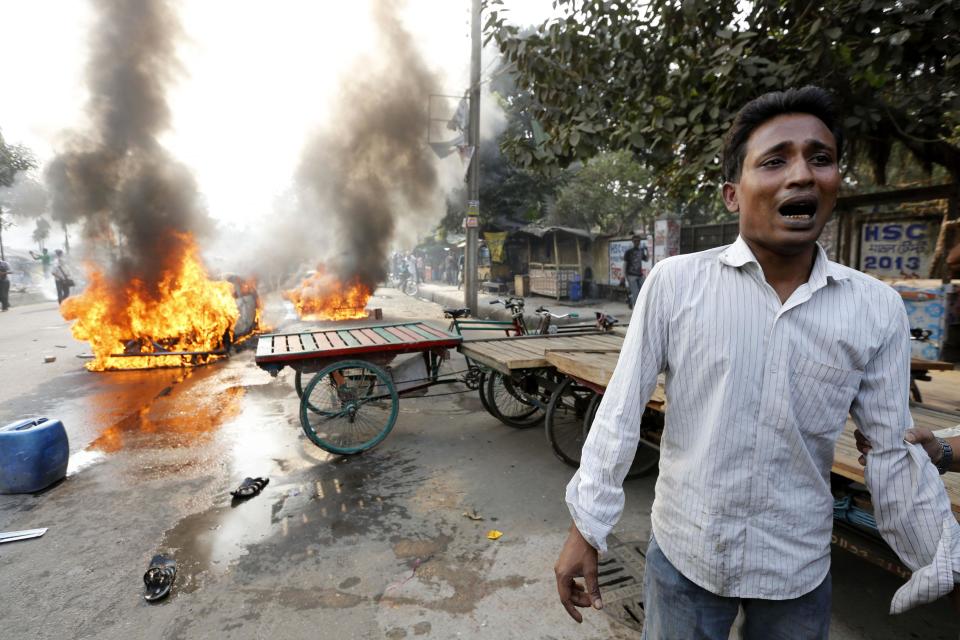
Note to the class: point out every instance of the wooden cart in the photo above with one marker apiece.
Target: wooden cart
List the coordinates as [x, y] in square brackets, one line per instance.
[351, 402]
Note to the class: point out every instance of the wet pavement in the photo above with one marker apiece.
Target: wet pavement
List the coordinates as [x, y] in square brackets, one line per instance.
[373, 546]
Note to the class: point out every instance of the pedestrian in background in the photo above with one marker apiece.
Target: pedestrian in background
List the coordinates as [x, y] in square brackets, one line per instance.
[45, 259]
[450, 268]
[4, 285]
[61, 275]
[633, 261]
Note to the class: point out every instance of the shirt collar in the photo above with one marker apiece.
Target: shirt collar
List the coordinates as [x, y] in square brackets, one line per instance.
[738, 254]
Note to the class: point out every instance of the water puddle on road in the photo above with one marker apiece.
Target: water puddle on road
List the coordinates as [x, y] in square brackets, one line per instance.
[171, 422]
[297, 514]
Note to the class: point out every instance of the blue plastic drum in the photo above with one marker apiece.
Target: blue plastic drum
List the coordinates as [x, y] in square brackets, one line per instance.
[33, 455]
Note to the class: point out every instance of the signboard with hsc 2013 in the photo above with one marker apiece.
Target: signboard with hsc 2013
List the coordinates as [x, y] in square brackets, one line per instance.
[897, 249]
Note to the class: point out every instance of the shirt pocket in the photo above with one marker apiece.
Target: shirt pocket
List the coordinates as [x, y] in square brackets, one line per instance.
[821, 395]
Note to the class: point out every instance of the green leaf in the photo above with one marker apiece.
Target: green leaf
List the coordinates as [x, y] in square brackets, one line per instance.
[900, 37]
[870, 56]
[833, 33]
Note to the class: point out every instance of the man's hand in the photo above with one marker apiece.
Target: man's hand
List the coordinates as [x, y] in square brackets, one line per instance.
[917, 435]
[577, 560]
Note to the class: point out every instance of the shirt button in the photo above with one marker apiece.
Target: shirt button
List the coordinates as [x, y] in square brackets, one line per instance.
[773, 368]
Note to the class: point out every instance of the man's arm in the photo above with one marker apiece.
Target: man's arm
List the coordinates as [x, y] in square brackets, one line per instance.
[910, 502]
[595, 494]
[920, 436]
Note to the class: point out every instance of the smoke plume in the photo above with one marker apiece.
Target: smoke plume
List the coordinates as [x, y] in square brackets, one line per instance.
[370, 169]
[116, 178]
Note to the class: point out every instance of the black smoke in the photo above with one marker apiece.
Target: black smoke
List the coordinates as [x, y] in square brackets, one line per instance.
[370, 168]
[135, 200]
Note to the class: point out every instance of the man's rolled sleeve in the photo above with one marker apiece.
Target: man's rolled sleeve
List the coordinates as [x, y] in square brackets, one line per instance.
[595, 494]
[910, 502]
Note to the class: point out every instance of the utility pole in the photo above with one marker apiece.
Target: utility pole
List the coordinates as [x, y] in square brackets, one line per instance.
[473, 175]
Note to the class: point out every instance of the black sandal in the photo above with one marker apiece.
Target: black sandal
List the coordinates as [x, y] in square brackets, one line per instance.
[249, 488]
[159, 578]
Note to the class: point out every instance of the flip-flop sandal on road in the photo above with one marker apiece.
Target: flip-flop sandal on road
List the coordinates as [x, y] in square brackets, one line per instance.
[159, 578]
[249, 488]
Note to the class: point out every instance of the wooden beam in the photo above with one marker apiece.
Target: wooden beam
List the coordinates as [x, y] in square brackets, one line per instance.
[946, 191]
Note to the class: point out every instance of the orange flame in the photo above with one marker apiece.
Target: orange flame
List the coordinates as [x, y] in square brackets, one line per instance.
[187, 312]
[323, 296]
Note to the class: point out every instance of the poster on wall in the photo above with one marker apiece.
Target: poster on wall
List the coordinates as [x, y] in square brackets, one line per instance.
[666, 238]
[897, 249]
[617, 249]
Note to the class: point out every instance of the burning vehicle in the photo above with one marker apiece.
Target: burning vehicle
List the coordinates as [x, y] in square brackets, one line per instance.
[185, 319]
[324, 296]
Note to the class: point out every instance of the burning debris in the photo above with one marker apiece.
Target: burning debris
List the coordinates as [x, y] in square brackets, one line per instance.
[149, 292]
[186, 319]
[371, 169]
[324, 296]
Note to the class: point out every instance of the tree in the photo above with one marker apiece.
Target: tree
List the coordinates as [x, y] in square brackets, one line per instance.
[664, 78]
[41, 232]
[610, 193]
[13, 160]
[507, 189]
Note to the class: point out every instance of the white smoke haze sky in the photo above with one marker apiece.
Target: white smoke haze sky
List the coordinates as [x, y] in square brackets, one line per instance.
[258, 78]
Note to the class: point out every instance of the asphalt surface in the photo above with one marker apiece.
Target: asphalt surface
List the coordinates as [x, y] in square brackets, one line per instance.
[373, 546]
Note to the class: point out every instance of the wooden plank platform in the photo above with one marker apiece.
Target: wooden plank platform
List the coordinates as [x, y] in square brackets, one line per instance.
[596, 368]
[920, 364]
[529, 352]
[348, 342]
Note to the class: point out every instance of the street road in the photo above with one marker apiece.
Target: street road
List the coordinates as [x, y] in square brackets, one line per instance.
[374, 546]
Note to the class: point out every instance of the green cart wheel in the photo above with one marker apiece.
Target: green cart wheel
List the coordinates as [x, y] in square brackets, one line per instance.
[298, 383]
[349, 407]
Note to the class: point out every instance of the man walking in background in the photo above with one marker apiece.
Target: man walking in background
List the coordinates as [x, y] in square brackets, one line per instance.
[61, 275]
[633, 261]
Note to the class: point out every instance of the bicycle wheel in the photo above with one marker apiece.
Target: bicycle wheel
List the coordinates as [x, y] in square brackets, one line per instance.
[349, 407]
[513, 401]
[645, 458]
[565, 422]
[410, 288]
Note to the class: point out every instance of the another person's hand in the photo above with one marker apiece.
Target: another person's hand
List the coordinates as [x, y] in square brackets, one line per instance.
[577, 560]
[917, 435]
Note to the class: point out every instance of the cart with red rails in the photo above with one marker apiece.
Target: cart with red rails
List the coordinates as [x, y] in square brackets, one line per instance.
[351, 401]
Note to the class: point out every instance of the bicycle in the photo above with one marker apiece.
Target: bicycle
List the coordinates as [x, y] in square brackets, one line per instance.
[475, 376]
[520, 400]
[405, 283]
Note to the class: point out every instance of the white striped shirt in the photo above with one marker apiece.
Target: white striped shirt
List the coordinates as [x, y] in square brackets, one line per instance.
[758, 392]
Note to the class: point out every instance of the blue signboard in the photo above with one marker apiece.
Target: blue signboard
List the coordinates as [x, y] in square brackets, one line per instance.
[897, 249]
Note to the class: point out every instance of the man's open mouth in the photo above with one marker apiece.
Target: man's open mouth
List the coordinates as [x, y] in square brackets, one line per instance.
[802, 208]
